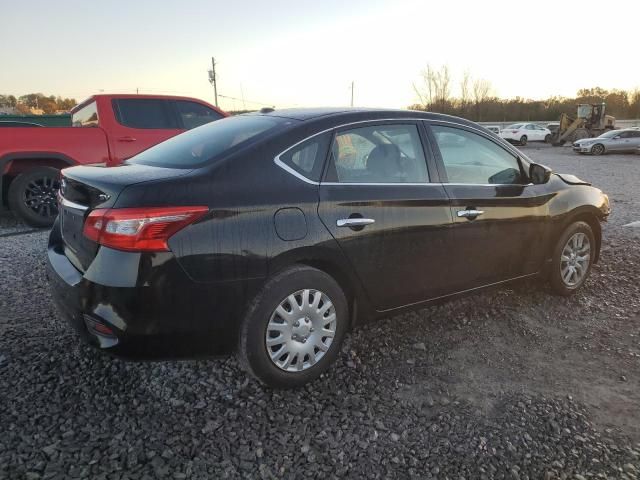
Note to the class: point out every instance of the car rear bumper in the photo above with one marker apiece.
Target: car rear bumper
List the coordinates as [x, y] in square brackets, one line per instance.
[145, 306]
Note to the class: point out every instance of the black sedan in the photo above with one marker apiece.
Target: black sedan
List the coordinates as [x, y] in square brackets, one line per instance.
[272, 234]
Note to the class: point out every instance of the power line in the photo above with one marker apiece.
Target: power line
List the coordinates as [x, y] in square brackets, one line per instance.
[245, 100]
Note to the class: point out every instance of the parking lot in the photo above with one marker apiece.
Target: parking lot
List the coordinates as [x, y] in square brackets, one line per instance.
[511, 383]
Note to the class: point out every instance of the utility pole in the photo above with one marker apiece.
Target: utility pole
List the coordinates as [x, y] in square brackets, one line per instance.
[212, 79]
[352, 93]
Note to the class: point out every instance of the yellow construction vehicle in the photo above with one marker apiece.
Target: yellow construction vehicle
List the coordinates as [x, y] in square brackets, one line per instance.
[590, 121]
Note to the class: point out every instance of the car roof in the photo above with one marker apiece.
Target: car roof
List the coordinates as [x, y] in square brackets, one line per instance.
[354, 114]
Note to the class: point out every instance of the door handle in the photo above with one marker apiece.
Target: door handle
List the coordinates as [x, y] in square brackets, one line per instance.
[354, 222]
[126, 139]
[472, 213]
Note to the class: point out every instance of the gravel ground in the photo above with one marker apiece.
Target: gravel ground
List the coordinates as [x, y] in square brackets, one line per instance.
[512, 383]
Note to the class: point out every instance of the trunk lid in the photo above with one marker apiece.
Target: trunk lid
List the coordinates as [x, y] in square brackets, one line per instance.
[83, 189]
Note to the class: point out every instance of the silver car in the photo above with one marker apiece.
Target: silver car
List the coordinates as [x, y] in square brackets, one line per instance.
[627, 140]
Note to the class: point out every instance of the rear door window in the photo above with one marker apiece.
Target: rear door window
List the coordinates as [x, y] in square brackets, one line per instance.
[378, 154]
[194, 114]
[145, 113]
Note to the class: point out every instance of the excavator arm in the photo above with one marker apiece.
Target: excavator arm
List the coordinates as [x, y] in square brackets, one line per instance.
[567, 126]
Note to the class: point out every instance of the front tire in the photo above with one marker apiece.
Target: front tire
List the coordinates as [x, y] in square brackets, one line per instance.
[293, 329]
[33, 196]
[523, 140]
[573, 256]
[597, 149]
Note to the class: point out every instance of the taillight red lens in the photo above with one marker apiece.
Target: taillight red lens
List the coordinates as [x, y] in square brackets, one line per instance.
[139, 229]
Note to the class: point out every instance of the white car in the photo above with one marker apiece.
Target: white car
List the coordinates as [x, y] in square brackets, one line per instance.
[521, 133]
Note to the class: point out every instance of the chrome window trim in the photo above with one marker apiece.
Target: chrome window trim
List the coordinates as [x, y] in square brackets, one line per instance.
[300, 176]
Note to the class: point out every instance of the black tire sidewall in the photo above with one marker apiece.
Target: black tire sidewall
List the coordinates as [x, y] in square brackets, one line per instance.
[523, 140]
[252, 350]
[15, 196]
[555, 278]
[547, 138]
[597, 151]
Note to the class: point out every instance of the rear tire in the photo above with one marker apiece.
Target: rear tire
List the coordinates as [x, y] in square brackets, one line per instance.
[523, 140]
[547, 138]
[572, 258]
[33, 196]
[281, 338]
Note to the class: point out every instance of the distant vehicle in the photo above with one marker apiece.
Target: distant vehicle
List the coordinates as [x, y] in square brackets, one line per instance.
[106, 129]
[590, 121]
[626, 140]
[14, 124]
[521, 133]
[553, 127]
[493, 128]
[273, 234]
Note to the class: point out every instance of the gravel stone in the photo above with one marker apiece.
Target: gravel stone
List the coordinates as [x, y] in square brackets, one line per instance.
[509, 383]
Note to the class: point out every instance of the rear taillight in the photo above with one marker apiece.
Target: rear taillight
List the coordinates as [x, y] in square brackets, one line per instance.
[139, 229]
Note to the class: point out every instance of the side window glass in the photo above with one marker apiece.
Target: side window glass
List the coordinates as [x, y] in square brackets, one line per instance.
[307, 158]
[144, 113]
[378, 154]
[474, 159]
[87, 116]
[195, 114]
[530, 127]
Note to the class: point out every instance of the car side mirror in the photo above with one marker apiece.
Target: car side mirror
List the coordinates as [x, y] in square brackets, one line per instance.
[539, 174]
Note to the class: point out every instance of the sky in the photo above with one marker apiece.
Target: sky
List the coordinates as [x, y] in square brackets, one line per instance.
[307, 53]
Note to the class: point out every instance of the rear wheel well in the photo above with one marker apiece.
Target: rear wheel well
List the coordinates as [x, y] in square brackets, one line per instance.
[341, 278]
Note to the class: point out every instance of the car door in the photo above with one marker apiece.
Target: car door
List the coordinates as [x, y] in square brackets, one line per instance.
[532, 132]
[500, 218]
[387, 211]
[140, 124]
[634, 140]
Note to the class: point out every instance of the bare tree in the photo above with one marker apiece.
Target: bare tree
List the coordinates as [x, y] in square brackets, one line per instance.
[465, 92]
[481, 91]
[435, 92]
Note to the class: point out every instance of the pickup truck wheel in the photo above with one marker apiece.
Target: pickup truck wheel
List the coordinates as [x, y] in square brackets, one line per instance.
[32, 196]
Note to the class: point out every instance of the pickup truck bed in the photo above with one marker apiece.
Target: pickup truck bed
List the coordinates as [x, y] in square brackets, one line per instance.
[107, 129]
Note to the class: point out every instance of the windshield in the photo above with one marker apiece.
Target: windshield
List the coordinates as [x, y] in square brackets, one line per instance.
[210, 141]
[610, 134]
[515, 126]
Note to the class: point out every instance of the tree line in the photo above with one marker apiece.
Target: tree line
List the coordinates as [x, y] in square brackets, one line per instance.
[48, 104]
[478, 102]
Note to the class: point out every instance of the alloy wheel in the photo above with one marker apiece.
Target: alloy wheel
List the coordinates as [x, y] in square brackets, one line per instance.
[575, 258]
[301, 330]
[40, 195]
[597, 149]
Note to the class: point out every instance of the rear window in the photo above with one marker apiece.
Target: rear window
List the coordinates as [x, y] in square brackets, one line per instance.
[195, 114]
[87, 116]
[208, 142]
[144, 113]
[515, 126]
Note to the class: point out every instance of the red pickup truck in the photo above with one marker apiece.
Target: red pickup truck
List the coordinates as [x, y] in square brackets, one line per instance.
[106, 130]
